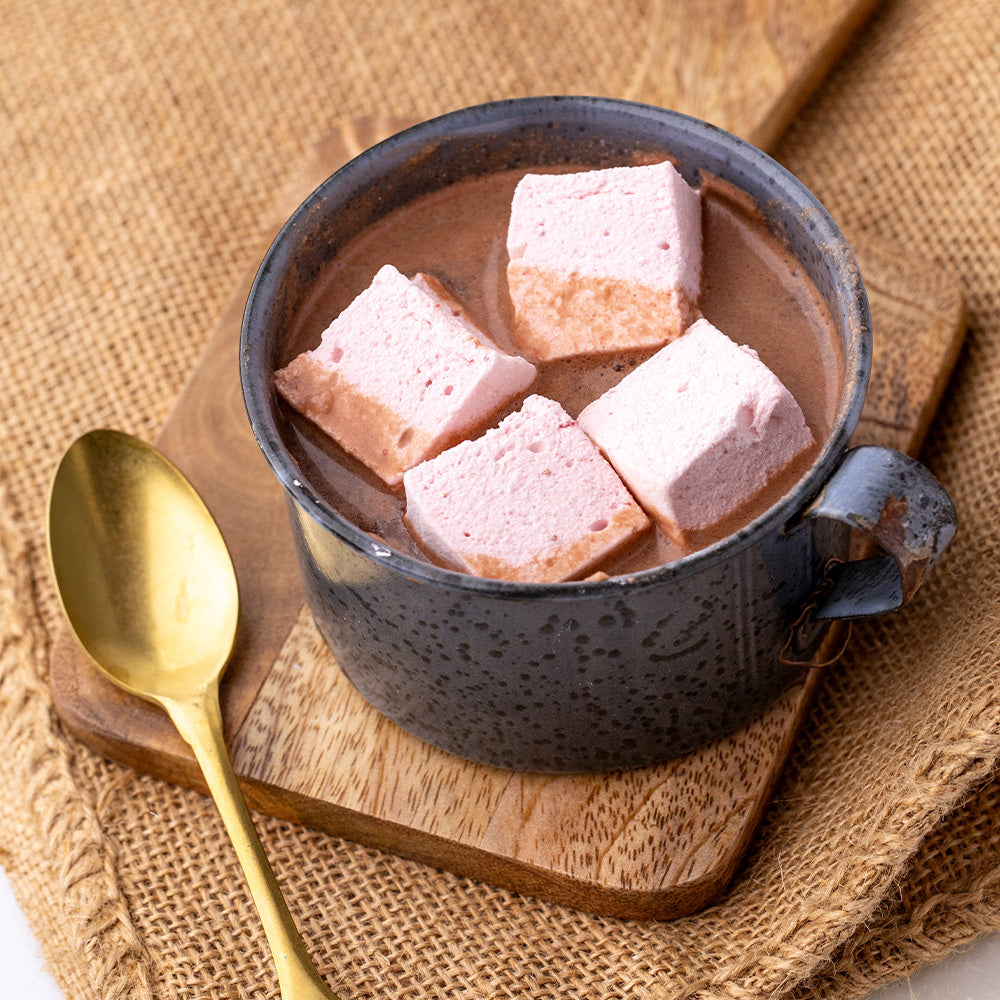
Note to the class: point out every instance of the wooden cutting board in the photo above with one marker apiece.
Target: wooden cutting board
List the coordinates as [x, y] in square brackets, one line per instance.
[656, 842]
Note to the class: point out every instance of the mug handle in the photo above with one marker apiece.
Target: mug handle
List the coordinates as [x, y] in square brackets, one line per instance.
[896, 502]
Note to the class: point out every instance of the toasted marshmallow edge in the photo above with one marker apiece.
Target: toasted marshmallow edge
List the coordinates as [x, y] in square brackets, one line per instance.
[531, 500]
[603, 260]
[401, 374]
[697, 431]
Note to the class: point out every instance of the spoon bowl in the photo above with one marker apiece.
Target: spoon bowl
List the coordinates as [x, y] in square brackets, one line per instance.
[143, 573]
[148, 586]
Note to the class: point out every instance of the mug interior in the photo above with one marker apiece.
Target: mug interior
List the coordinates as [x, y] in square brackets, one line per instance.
[525, 133]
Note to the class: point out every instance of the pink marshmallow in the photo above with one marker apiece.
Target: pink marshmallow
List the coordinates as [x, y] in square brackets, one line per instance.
[401, 374]
[530, 500]
[698, 429]
[603, 260]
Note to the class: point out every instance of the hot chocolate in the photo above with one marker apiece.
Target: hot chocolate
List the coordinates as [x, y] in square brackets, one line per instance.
[752, 287]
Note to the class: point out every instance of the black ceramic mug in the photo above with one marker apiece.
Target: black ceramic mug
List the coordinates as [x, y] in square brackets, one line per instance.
[631, 670]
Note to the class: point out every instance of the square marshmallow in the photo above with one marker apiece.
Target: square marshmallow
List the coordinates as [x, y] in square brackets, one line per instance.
[698, 429]
[603, 260]
[530, 500]
[401, 374]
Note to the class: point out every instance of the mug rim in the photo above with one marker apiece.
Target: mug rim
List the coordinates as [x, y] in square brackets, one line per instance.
[257, 388]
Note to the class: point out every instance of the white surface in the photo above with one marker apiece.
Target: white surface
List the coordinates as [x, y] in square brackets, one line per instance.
[24, 977]
[971, 975]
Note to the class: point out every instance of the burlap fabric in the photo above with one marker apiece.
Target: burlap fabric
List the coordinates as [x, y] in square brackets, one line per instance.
[142, 146]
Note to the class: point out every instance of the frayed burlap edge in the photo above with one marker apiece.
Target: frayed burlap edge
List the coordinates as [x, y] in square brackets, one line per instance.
[62, 840]
[926, 915]
[829, 947]
[825, 955]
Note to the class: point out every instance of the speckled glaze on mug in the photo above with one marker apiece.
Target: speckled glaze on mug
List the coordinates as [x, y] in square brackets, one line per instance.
[631, 670]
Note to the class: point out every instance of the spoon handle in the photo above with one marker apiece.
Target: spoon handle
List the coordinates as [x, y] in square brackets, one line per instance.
[199, 721]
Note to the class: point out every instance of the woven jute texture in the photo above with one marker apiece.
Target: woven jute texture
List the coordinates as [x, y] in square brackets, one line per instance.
[142, 144]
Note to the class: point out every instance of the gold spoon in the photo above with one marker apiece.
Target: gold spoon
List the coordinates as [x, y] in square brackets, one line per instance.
[148, 586]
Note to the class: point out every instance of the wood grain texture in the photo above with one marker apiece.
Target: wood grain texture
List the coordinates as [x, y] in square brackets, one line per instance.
[919, 320]
[744, 65]
[642, 843]
[655, 842]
